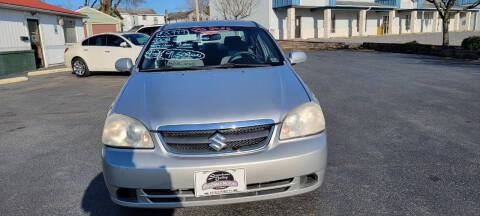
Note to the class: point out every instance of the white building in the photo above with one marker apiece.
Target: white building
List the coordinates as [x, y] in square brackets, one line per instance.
[140, 17]
[185, 16]
[305, 19]
[35, 34]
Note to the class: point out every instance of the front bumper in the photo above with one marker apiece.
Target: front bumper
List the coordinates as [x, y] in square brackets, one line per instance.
[156, 179]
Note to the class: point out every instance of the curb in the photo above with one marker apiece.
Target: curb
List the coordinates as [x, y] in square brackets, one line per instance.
[455, 52]
[13, 80]
[38, 73]
[33, 73]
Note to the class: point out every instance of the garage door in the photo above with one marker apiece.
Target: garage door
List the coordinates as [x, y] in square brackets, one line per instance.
[101, 28]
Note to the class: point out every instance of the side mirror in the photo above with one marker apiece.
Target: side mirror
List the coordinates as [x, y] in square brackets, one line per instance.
[296, 57]
[124, 65]
[124, 44]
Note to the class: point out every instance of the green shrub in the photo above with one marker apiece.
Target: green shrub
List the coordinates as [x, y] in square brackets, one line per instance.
[471, 43]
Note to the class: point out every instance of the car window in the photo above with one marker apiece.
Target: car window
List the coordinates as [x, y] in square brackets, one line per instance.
[210, 47]
[113, 40]
[149, 30]
[85, 42]
[137, 39]
[100, 40]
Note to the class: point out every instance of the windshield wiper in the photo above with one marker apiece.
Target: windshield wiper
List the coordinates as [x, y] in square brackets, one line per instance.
[232, 65]
[173, 69]
[228, 65]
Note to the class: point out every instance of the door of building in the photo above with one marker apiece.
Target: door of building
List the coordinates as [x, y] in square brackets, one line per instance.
[298, 27]
[102, 28]
[383, 28]
[36, 42]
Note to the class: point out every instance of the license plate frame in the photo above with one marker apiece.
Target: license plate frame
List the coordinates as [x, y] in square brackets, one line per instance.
[219, 182]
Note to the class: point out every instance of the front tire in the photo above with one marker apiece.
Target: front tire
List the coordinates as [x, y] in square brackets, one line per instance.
[80, 68]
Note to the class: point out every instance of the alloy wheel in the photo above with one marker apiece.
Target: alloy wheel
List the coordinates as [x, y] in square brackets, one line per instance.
[79, 67]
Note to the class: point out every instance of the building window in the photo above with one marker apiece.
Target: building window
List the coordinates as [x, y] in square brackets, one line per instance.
[155, 20]
[407, 22]
[69, 31]
[333, 23]
[144, 17]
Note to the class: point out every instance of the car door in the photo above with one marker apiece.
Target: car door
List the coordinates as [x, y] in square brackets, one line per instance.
[117, 52]
[96, 53]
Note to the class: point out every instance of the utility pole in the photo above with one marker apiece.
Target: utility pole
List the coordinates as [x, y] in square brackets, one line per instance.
[166, 16]
[196, 10]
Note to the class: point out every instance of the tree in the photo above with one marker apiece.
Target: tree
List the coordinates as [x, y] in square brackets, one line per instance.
[110, 7]
[444, 8]
[89, 3]
[203, 7]
[236, 9]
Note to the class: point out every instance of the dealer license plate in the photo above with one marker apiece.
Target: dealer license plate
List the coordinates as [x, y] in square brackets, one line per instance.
[216, 182]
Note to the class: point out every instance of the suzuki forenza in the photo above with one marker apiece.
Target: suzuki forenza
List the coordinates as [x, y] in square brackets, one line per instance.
[213, 114]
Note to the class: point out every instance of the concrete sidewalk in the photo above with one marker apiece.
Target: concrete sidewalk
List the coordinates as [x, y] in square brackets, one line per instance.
[456, 38]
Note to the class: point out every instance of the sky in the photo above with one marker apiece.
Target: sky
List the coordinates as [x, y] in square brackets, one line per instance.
[158, 5]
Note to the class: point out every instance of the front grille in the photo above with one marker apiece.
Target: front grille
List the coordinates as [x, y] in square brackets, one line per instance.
[197, 141]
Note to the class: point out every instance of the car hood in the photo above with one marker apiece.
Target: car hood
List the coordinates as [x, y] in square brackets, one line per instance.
[210, 96]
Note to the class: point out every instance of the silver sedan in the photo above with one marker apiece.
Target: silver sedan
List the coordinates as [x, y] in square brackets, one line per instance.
[213, 114]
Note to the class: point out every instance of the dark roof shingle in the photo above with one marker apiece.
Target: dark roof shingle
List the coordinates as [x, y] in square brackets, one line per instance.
[137, 11]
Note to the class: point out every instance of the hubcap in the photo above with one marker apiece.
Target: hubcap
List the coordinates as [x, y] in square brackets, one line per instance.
[79, 67]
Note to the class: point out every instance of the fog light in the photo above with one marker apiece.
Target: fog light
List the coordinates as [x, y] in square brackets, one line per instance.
[127, 194]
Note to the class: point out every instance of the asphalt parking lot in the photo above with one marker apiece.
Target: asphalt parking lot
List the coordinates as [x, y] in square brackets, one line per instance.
[403, 134]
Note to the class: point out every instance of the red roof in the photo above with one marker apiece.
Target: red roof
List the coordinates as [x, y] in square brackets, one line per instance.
[40, 5]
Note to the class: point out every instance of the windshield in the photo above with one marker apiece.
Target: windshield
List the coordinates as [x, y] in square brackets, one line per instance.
[210, 47]
[137, 39]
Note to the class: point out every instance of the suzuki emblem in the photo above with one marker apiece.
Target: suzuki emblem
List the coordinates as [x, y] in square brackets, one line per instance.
[217, 142]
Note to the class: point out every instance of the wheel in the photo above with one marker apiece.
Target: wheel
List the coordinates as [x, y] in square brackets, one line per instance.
[80, 68]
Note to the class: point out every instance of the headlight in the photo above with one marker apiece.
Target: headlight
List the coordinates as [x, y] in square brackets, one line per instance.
[306, 119]
[123, 131]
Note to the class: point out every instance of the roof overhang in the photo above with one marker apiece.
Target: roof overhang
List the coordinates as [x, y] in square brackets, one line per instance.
[355, 7]
[434, 9]
[375, 7]
[302, 6]
[295, 6]
[140, 14]
[38, 10]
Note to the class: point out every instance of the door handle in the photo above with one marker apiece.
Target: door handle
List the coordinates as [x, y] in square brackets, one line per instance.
[85, 49]
[107, 51]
